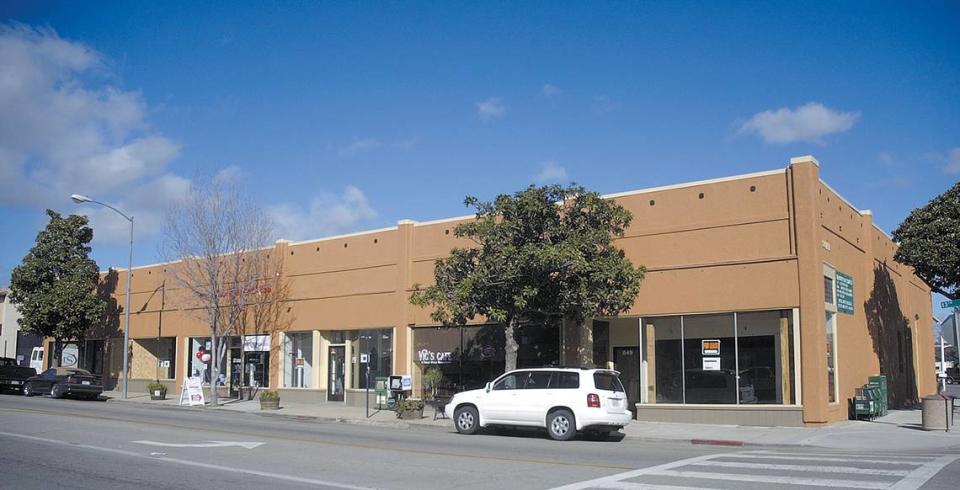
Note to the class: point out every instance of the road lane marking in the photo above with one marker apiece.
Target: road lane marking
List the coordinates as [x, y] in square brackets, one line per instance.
[247, 445]
[805, 468]
[265, 474]
[614, 479]
[403, 450]
[919, 476]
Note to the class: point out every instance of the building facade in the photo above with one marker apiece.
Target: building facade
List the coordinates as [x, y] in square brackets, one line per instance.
[769, 299]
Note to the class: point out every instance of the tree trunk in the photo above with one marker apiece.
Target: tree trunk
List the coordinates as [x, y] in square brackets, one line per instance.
[57, 351]
[511, 347]
[214, 374]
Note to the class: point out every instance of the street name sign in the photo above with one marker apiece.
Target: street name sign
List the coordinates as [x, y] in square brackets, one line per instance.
[951, 304]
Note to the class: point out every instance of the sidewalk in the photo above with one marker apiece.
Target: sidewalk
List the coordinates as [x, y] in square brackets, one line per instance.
[900, 429]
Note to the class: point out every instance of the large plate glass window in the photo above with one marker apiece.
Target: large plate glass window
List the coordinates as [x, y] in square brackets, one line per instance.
[372, 348]
[298, 360]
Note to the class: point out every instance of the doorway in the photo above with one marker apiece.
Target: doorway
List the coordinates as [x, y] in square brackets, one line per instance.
[335, 373]
[627, 361]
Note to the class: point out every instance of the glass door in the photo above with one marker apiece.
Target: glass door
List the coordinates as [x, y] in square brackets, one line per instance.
[335, 374]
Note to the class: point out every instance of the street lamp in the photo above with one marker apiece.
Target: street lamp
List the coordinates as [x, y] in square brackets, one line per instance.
[80, 199]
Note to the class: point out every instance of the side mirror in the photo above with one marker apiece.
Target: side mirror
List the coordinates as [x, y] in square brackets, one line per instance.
[488, 387]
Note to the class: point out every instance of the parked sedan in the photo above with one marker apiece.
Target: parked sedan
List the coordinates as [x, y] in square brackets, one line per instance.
[63, 381]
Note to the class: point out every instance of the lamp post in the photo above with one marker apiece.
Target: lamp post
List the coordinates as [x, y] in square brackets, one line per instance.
[79, 199]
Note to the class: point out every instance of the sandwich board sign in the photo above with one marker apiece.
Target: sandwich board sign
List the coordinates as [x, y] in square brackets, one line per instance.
[192, 391]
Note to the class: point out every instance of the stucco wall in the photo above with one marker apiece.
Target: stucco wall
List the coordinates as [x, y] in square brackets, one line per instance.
[752, 242]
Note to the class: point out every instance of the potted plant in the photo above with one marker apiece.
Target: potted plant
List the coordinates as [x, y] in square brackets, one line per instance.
[410, 409]
[269, 400]
[158, 390]
[433, 378]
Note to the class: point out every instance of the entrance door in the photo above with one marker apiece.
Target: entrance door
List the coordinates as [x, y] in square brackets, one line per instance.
[627, 361]
[335, 373]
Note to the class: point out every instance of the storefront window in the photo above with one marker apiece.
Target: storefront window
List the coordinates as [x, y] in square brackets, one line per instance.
[467, 357]
[298, 360]
[709, 353]
[727, 358]
[831, 356]
[664, 358]
[199, 347]
[370, 349]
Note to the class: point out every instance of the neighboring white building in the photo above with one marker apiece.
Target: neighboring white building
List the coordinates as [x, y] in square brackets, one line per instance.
[8, 325]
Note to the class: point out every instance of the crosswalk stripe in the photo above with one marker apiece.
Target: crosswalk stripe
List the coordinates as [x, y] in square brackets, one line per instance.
[817, 482]
[852, 456]
[815, 469]
[623, 485]
[832, 460]
[919, 476]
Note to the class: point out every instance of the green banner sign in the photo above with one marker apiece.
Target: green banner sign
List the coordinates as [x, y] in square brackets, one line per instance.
[844, 293]
[951, 304]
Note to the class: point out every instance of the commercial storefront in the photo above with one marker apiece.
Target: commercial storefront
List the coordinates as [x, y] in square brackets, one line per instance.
[768, 300]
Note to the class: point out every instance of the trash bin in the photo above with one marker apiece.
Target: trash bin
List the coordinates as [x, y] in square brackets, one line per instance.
[880, 382]
[937, 412]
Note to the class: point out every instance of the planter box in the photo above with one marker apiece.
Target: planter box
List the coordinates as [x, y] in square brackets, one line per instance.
[410, 414]
[269, 404]
[158, 395]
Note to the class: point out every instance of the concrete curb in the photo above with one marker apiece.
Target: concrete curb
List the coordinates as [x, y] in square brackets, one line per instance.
[730, 443]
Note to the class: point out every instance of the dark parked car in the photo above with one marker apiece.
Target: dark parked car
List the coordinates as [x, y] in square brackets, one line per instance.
[13, 376]
[62, 381]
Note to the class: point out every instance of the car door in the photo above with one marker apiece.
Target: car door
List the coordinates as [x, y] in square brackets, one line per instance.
[45, 381]
[500, 403]
[536, 398]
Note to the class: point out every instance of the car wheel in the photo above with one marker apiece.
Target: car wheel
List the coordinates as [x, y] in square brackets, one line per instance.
[561, 425]
[467, 420]
[28, 389]
[56, 391]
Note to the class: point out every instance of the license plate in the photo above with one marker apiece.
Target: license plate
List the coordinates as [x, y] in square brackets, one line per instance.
[14, 382]
[616, 402]
[85, 382]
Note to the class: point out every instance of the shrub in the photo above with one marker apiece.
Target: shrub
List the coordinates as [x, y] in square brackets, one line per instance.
[155, 386]
[269, 395]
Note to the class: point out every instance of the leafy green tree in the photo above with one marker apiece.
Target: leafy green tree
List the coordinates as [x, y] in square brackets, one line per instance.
[543, 255]
[930, 242]
[55, 288]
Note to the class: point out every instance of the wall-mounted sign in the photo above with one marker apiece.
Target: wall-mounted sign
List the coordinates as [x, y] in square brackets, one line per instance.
[164, 363]
[427, 356]
[844, 293]
[710, 347]
[711, 363]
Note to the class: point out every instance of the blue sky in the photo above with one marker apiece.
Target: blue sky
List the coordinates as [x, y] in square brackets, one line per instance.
[350, 116]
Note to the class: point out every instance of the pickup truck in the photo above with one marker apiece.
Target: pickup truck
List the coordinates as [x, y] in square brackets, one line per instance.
[12, 376]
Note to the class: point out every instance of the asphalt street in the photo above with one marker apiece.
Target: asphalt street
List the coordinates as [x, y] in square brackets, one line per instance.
[47, 443]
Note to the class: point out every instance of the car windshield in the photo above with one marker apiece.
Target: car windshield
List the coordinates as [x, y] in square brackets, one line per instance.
[607, 381]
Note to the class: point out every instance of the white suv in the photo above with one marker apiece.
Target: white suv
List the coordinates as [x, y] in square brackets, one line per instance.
[561, 400]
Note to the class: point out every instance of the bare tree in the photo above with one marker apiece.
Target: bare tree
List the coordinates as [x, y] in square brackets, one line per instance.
[216, 234]
[260, 308]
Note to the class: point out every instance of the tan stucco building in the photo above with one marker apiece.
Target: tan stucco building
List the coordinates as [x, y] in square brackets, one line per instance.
[769, 299]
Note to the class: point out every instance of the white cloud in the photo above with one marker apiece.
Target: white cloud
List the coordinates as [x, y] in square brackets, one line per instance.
[490, 109]
[550, 90]
[327, 215]
[953, 162]
[64, 129]
[603, 104]
[359, 145]
[551, 173]
[809, 123]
